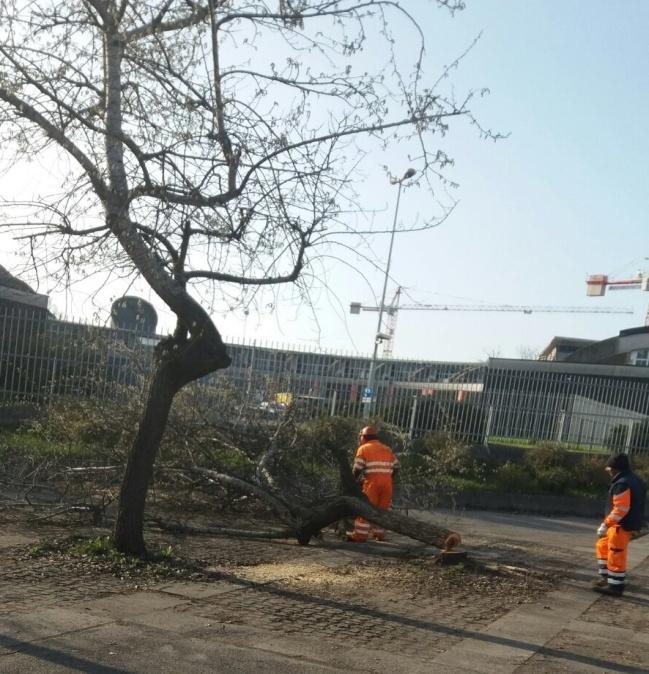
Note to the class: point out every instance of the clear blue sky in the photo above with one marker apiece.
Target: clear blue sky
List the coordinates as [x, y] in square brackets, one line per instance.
[563, 196]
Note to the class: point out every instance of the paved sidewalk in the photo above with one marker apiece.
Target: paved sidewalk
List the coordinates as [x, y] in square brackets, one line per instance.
[570, 630]
[179, 627]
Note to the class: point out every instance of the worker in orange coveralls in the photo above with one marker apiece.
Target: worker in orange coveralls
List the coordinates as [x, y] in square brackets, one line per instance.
[374, 466]
[627, 494]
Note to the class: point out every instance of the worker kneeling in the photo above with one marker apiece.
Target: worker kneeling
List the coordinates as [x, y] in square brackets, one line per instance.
[374, 467]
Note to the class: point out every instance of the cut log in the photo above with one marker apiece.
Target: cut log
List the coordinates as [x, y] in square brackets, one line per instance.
[323, 515]
[186, 528]
[353, 503]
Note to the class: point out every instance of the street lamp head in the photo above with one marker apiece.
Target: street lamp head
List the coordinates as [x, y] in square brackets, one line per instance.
[408, 174]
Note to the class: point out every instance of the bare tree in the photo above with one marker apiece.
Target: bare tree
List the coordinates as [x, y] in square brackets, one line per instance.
[208, 142]
[528, 352]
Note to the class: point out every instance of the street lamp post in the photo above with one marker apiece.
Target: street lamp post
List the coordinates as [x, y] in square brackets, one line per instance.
[369, 398]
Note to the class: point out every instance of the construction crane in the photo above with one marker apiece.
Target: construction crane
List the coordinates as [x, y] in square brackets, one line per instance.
[596, 285]
[394, 307]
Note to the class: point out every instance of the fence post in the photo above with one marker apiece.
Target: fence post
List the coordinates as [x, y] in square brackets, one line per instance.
[629, 437]
[487, 428]
[334, 395]
[53, 382]
[562, 420]
[413, 416]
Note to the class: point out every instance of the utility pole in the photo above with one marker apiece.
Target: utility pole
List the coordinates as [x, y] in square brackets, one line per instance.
[369, 396]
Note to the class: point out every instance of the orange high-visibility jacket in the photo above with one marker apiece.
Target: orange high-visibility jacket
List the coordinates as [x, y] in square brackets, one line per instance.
[375, 460]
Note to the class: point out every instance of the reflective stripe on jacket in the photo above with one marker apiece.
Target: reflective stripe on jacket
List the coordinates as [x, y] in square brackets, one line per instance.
[627, 496]
[375, 458]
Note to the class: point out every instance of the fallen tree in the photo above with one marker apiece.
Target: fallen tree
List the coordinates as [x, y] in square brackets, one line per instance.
[305, 521]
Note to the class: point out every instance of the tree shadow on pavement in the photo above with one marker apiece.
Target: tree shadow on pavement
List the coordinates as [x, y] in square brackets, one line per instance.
[436, 628]
[55, 657]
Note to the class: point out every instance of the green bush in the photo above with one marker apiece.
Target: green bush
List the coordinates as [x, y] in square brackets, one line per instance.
[224, 438]
[555, 480]
[640, 465]
[310, 453]
[89, 424]
[516, 478]
[590, 476]
[305, 460]
[445, 455]
[435, 467]
[548, 456]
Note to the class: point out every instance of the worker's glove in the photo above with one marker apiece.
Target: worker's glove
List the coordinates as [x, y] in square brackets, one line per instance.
[601, 530]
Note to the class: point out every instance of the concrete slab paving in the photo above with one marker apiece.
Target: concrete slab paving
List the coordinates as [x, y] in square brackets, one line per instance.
[180, 622]
[588, 628]
[549, 665]
[530, 628]
[173, 627]
[485, 656]
[347, 654]
[582, 653]
[43, 624]
[120, 606]
[198, 590]
[530, 641]
[130, 649]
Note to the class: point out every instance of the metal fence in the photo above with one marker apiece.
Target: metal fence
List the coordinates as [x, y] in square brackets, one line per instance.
[591, 407]
[599, 407]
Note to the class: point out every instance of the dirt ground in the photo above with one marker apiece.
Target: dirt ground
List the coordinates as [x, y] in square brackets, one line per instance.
[378, 605]
[329, 589]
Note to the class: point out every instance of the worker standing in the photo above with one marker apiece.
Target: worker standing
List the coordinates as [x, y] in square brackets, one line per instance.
[627, 495]
[374, 466]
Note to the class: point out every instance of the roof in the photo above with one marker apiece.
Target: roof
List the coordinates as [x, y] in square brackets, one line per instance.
[565, 341]
[17, 292]
[8, 280]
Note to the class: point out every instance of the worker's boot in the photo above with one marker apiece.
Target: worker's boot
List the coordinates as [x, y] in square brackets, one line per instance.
[610, 590]
[601, 581]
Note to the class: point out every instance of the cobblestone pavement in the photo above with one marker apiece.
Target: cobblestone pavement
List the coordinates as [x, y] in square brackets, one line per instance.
[329, 607]
[408, 624]
[337, 593]
[25, 582]
[292, 613]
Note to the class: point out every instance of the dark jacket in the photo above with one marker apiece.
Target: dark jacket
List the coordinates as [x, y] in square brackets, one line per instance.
[626, 480]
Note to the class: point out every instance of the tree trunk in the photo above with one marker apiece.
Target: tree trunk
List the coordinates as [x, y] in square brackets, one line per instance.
[348, 506]
[353, 503]
[177, 362]
[128, 532]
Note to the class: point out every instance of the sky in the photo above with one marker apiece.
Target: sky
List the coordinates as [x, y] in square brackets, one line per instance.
[563, 196]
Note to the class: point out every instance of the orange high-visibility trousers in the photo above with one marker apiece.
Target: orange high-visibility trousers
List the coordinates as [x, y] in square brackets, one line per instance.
[611, 552]
[378, 489]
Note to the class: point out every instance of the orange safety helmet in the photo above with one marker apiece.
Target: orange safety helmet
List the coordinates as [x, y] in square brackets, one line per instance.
[368, 432]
